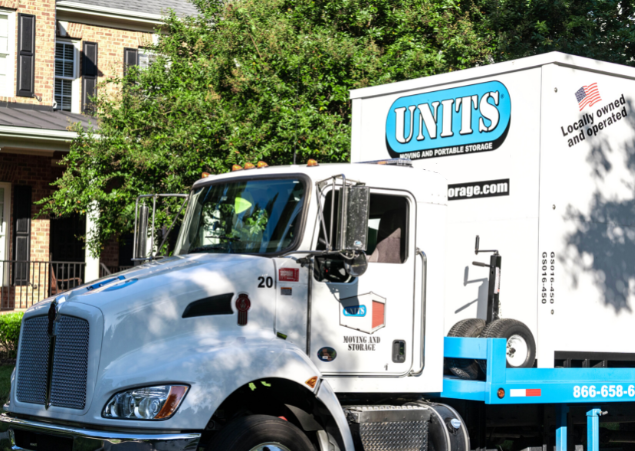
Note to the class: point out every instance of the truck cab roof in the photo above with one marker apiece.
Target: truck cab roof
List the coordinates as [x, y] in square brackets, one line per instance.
[425, 185]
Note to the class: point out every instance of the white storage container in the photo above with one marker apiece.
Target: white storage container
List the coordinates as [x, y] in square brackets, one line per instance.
[539, 154]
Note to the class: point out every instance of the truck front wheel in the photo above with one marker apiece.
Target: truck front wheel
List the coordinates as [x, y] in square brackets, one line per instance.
[260, 433]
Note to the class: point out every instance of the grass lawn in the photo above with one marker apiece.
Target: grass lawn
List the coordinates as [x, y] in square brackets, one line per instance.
[5, 383]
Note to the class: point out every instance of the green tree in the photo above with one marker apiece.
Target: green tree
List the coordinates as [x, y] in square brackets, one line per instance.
[599, 29]
[252, 80]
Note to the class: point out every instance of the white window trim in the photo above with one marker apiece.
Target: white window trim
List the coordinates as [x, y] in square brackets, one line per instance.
[9, 88]
[150, 52]
[144, 51]
[5, 229]
[76, 104]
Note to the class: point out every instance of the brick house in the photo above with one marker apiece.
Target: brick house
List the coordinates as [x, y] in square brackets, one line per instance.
[53, 54]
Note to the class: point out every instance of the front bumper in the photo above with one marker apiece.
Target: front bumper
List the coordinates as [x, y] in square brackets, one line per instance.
[74, 439]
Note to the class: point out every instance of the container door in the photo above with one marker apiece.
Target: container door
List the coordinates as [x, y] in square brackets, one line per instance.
[364, 325]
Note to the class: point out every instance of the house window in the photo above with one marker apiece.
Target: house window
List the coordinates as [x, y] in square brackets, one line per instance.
[65, 73]
[146, 59]
[6, 53]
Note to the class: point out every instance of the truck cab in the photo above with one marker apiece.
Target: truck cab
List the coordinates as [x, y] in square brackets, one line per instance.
[288, 287]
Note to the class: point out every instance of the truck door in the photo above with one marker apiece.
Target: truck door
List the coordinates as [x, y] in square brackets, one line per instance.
[364, 325]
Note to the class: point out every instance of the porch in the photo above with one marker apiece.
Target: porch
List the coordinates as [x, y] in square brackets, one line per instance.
[24, 283]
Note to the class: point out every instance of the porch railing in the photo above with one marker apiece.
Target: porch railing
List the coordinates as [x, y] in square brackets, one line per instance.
[108, 270]
[24, 283]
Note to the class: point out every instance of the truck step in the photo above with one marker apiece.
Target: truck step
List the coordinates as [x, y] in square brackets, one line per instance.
[388, 428]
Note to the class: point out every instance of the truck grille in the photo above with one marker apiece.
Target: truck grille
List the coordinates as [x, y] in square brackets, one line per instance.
[70, 362]
[34, 361]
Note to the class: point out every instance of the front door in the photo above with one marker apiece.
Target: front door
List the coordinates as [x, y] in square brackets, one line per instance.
[66, 244]
[364, 325]
[5, 208]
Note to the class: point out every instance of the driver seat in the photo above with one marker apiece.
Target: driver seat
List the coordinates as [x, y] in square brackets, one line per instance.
[390, 247]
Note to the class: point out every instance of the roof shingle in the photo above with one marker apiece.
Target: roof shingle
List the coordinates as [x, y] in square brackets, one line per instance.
[45, 119]
[158, 7]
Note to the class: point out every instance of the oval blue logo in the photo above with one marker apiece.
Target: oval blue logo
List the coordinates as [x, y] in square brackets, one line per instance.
[355, 310]
[119, 286]
[326, 354]
[456, 121]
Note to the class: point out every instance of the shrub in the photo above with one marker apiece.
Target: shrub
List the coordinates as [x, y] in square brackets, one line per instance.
[10, 332]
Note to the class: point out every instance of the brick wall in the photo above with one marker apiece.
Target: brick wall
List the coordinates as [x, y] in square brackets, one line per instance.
[44, 10]
[40, 239]
[111, 42]
[110, 253]
[36, 172]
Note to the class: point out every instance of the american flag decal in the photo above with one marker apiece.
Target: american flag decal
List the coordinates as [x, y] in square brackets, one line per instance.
[588, 95]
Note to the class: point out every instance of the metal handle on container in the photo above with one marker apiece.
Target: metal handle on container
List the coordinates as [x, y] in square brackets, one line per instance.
[424, 289]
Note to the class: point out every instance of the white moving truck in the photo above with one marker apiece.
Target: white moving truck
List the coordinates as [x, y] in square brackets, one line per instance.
[307, 307]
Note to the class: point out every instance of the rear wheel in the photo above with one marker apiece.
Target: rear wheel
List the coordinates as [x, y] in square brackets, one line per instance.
[260, 433]
[465, 368]
[521, 347]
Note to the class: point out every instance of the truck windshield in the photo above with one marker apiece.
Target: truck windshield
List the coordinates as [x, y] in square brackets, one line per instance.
[243, 217]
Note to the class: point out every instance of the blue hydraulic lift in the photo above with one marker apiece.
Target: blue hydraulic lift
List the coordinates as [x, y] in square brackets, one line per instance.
[559, 386]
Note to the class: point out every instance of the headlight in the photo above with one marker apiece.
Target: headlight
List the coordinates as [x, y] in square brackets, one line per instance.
[148, 403]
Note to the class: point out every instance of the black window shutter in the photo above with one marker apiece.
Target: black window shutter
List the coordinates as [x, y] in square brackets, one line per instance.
[130, 58]
[22, 228]
[26, 56]
[90, 72]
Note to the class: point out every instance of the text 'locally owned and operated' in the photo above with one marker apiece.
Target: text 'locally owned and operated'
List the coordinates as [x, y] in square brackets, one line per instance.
[590, 124]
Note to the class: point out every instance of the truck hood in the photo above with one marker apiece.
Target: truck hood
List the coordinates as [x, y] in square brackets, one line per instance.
[145, 305]
[138, 335]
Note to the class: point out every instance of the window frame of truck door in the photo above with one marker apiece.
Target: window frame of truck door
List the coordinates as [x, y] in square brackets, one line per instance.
[410, 210]
[306, 183]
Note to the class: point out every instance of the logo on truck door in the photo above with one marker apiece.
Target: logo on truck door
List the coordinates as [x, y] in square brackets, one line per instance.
[454, 121]
[365, 313]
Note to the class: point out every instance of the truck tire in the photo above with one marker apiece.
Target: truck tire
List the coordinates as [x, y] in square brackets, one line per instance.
[259, 433]
[521, 347]
[465, 368]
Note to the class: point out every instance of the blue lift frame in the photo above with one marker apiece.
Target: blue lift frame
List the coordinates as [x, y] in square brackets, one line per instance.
[559, 386]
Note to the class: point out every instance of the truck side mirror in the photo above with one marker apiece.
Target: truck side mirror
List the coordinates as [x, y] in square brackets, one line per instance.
[141, 233]
[353, 234]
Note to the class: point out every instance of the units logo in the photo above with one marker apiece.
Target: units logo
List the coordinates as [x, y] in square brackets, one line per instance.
[454, 121]
[355, 310]
[365, 312]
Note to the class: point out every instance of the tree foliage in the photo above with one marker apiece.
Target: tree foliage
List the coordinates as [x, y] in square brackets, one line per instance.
[599, 29]
[252, 80]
